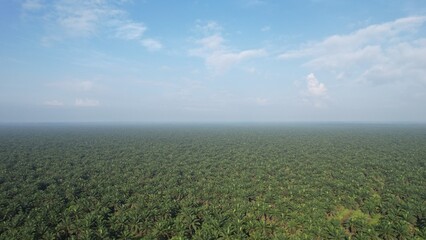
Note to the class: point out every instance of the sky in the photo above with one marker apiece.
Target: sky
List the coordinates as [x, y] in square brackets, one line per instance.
[212, 61]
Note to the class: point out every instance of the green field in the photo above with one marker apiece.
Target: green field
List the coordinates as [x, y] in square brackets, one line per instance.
[294, 181]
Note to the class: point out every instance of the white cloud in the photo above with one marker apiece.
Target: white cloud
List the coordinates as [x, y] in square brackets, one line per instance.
[371, 35]
[82, 18]
[315, 92]
[86, 18]
[314, 87]
[80, 23]
[79, 102]
[55, 103]
[151, 44]
[32, 5]
[130, 31]
[343, 59]
[218, 57]
[375, 53]
[213, 42]
[210, 27]
[221, 61]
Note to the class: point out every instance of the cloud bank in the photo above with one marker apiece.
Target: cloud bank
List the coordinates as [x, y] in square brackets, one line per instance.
[379, 53]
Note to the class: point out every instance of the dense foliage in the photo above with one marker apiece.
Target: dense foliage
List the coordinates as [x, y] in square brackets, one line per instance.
[324, 181]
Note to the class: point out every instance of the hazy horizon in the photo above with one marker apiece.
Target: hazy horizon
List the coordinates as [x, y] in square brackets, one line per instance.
[214, 123]
[238, 61]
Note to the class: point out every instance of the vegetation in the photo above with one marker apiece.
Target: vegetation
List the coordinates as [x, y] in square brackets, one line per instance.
[324, 181]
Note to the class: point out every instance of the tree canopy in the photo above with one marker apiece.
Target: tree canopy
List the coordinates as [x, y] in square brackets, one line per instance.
[324, 181]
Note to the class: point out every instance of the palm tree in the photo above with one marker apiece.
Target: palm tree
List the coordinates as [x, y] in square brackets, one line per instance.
[386, 230]
[334, 231]
[402, 230]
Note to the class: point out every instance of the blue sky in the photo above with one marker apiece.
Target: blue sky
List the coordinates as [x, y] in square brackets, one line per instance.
[209, 61]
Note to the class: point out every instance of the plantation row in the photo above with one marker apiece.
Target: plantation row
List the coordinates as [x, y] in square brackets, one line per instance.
[324, 181]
